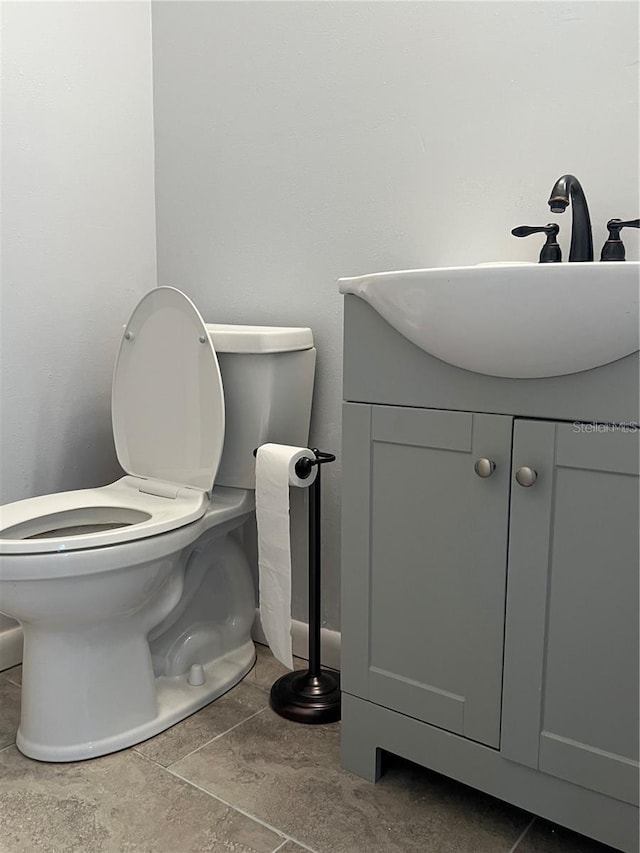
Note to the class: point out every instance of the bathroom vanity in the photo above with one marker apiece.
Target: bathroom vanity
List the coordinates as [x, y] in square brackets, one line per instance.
[490, 577]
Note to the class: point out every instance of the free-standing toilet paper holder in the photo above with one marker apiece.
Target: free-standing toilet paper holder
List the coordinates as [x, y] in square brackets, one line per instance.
[312, 695]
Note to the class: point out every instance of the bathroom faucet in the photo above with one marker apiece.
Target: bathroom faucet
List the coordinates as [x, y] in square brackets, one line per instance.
[565, 188]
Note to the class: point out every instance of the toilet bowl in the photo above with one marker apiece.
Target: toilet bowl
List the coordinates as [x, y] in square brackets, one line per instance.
[135, 599]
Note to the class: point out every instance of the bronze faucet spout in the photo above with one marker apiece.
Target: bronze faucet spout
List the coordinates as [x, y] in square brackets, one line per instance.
[568, 188]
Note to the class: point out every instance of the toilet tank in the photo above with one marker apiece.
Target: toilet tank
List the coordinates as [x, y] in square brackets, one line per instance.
[267, 375]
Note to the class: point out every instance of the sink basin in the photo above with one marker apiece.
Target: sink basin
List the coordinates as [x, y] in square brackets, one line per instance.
[514, 320]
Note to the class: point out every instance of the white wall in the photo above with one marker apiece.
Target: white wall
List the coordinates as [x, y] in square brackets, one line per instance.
[298, 142]
[78, 234]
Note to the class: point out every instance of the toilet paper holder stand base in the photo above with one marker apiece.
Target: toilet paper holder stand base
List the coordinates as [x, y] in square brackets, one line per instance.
[311, 695]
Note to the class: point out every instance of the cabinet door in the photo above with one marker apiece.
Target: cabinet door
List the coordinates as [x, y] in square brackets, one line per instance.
[571, 653]
[424, 564]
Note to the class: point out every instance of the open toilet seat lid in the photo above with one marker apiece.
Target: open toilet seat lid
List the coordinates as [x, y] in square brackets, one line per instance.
[167, 401]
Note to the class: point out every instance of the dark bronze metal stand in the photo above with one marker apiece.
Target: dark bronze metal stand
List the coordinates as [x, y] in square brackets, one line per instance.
[312, 695]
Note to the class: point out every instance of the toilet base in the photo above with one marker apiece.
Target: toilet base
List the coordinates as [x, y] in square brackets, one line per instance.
[176, 699]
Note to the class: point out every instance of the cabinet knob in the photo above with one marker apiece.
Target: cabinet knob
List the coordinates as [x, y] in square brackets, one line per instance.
[526, 476]
[484, 468]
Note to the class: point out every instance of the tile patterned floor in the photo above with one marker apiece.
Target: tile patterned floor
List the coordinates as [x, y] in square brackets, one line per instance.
[237, 778]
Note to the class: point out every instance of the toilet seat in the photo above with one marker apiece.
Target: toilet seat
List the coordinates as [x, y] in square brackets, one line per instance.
[168, 419]
[96, 518]
[167, 401]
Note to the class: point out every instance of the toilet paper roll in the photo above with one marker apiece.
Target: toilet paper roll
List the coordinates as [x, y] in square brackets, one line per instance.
[275, 472]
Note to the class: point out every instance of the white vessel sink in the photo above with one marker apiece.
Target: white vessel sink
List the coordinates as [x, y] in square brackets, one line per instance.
[510, 319]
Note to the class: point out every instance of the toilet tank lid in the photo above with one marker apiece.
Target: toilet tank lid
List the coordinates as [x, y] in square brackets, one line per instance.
[259, 339]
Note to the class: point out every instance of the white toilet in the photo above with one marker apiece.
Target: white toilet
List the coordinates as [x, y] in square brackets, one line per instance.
[135, 599]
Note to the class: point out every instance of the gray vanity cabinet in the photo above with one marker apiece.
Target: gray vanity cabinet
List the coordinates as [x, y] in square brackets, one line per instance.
[490, 623]
[428, 587]
[570, 704]
[427, 584]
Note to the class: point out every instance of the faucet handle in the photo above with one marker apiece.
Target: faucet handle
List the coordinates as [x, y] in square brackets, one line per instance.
[613, 249]
[551, 253]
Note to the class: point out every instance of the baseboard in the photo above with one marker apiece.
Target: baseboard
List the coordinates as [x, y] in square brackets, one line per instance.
[329, 641]
[11, 643]
[10, 647]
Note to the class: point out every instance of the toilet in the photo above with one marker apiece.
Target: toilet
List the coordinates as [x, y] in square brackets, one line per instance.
[136, 599]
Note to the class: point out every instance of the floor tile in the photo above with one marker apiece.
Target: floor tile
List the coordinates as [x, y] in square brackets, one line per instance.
[9, 712]
[14, 674]
[289, 775]
[545, 837]
[268, 669]
[116, 803]
[214, 719]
